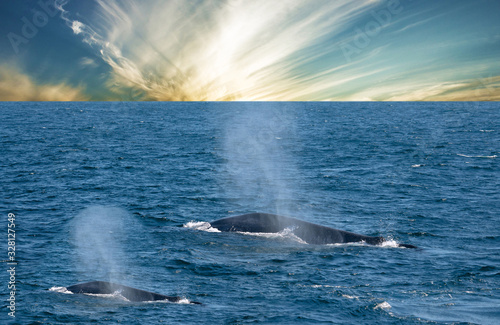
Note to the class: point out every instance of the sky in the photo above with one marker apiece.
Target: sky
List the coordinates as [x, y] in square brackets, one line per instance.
[249, 50]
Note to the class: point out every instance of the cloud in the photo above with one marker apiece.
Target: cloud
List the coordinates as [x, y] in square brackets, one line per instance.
[215, 50]
[87, 62]
[16, 86]
[276, 50]
[76, 26]
[480, 89]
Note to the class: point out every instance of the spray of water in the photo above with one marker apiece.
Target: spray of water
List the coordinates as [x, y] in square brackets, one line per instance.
[99, 235]
[259, 163]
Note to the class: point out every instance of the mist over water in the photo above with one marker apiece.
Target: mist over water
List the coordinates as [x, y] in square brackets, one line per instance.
[259, 161]
[100, 235]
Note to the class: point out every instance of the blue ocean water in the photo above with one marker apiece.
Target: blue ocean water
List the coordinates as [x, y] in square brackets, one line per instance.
[111, 191]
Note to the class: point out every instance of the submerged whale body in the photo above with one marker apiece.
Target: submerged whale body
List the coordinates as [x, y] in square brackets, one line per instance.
[309, 232]
[131, 294]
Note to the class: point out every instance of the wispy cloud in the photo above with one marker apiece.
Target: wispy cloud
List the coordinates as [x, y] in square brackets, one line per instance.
[87, 62]
[16, 86]
[480, 89]
[279, 50]
[215, 50]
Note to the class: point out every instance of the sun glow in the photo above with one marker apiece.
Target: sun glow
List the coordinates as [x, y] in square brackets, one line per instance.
[213, 50]
[290, 50]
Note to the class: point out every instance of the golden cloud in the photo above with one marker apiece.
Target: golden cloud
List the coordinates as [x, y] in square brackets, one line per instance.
[17, 86]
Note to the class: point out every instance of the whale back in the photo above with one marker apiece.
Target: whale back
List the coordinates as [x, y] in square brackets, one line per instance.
[309, 232]
[321, 235]
[252, 222]
[131, 294]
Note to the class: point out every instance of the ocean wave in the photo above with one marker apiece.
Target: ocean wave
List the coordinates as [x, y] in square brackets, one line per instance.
[467, 156]
[383, 305]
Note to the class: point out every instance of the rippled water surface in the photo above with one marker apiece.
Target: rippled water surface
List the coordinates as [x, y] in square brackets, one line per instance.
[111, 191]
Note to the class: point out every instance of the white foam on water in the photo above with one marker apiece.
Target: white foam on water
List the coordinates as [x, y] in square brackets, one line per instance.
[390, 243]
[200, 225]
[286, 233]
[383, 305]
[468, 156]
[61, 290]
[182, 301]
[317, 286]
[359, 243]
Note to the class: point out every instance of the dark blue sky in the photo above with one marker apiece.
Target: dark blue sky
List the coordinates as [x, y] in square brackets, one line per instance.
[250, 50]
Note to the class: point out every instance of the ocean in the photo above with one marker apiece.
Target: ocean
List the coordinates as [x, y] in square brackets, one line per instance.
[123, 191]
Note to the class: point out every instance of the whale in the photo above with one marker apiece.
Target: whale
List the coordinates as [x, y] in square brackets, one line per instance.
[309, 232]
[129, 293]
